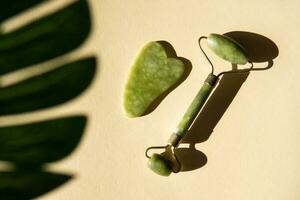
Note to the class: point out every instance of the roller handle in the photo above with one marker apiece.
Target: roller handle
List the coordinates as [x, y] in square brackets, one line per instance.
[193, 110]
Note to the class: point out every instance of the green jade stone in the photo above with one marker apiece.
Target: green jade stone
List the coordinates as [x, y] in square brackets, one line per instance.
[160, 165]
[193, 109]
[227, 49]
[152, 73]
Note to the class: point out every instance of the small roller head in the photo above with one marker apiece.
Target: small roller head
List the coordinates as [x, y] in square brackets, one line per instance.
[160, 165]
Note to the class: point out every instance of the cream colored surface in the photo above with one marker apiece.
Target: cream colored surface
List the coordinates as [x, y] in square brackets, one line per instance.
[254, 151]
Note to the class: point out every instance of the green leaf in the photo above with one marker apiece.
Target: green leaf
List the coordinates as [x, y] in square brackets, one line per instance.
[11, 7]
[49, 89]
[41, 142]
[46, 38]
[23, 185]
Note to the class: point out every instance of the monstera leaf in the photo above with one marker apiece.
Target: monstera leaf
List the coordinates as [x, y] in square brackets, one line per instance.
[28, 147]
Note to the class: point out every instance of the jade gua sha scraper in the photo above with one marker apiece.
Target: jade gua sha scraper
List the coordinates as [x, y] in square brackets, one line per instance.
[153, 73]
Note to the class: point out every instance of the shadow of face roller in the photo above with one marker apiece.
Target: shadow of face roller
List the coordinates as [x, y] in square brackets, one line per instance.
[259, 49]
[190, 158]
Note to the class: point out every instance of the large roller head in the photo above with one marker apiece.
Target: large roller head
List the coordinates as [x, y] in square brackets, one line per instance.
[227, 49]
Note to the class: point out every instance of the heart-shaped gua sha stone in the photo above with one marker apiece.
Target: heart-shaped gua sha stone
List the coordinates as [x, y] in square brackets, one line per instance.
[152, 73]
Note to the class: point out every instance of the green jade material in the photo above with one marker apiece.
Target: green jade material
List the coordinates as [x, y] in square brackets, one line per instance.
[160, 165]
[193, 110]
[227, 49]
[152, 74]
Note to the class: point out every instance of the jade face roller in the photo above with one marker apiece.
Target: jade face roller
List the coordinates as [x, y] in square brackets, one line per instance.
[225, 48]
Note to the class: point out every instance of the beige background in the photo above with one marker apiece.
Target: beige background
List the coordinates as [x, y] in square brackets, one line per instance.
[254, 151]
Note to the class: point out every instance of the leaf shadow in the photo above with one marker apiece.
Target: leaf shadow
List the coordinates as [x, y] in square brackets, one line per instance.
[29, 147]
[11, 8]
[29, 184]
[49, 89]
[37, 143]
[188, 68]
